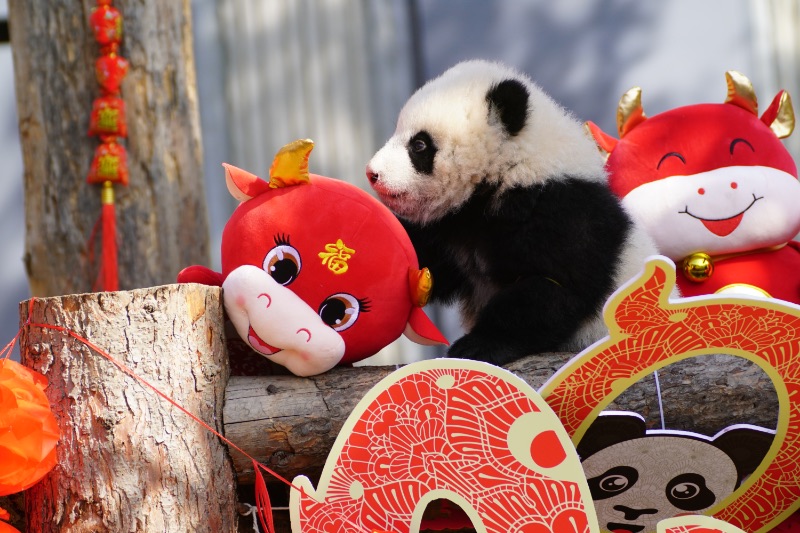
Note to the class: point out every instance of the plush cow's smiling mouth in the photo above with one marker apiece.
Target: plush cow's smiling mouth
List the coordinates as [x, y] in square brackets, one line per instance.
[723, 226]
[259, 345]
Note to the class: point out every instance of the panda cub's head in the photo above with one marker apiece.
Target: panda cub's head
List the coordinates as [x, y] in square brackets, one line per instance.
[478, 123]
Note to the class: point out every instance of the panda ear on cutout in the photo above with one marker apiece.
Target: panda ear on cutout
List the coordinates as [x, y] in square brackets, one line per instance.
[746, 445]
[609, 428]
[509, 101]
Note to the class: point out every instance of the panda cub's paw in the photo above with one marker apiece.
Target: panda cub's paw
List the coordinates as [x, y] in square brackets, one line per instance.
[489, 349]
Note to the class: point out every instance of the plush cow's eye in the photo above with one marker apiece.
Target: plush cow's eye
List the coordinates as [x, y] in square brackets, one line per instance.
[283, 262]
[670, 155]
[737, 142]
[612, 482]
[341, 311]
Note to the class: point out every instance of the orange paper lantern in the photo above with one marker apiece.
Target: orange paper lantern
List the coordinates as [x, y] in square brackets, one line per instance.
[28, 429]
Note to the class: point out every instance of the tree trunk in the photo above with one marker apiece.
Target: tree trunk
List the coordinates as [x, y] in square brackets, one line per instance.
[128, 460]
[161, 216]
[290, 423]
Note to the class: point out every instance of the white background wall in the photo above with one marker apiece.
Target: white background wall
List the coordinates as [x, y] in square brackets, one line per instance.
[585, 53]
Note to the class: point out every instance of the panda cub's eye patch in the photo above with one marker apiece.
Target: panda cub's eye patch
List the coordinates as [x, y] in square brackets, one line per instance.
[421, 152]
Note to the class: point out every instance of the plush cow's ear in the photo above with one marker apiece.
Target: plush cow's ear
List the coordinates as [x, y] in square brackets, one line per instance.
[421, 330]
[243, 185]
[605, 142]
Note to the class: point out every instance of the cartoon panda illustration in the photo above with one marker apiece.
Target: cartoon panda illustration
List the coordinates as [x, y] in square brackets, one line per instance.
[505, 199]
[638, 477]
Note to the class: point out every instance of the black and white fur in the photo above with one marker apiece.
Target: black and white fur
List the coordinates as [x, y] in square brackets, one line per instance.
[505, 199]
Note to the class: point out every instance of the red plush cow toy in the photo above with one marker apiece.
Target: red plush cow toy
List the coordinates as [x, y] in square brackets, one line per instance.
[715, 188]
[316, 272]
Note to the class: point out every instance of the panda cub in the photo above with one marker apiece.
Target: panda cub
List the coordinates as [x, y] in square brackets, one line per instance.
[505, 199]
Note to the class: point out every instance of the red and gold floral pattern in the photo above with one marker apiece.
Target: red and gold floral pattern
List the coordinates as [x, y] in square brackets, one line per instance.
[461, 430]
[648, 332]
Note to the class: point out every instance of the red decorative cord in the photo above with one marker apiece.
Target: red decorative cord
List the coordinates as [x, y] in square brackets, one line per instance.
[264, 507]
[107, 121]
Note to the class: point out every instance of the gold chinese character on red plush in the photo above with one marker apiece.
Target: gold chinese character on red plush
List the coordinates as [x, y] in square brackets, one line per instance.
[335, 257]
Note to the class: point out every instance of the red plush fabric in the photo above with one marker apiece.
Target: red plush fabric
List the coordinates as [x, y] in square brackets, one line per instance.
[776, 272]
[313, 218]
[336, 248]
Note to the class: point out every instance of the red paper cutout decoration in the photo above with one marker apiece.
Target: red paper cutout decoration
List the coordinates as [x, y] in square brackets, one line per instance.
[465, 431]
[107, 120]
[648, 332]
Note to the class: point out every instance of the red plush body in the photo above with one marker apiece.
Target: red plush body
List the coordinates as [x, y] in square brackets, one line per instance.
[716, 189]
[316, 272]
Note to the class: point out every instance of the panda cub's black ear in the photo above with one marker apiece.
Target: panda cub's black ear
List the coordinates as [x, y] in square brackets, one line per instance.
[509, 100]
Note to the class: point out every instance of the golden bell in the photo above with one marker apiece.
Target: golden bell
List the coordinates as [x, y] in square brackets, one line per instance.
[698, 267]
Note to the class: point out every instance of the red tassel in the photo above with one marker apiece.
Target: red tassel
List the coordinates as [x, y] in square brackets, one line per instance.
[108, 261]
[263, 505]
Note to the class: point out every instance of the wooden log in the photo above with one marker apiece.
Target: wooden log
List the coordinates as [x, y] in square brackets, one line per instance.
[127, 459]
[290, 423]
[161, 216]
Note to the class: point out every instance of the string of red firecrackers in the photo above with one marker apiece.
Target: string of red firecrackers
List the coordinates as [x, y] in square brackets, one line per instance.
[263, 504]
[107, 121]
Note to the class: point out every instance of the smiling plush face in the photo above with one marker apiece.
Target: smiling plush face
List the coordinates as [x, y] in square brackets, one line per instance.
[730, 189]
[711, 178]
[316, 272]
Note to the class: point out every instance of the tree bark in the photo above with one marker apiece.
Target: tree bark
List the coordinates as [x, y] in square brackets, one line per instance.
[127, 459]
[290, 423]
[161, 216]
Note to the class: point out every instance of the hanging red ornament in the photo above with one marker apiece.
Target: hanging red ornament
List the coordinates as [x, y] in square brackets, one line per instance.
[106, 22]
[110, 163]
[110, 69]
[28, 429]
[107, 120]
[108, 117]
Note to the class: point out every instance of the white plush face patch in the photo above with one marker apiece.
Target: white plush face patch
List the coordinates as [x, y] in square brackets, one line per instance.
[726, 210]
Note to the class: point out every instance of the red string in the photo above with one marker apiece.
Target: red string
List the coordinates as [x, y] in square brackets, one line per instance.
[166, 397]
[263, 504]
[264, 507]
